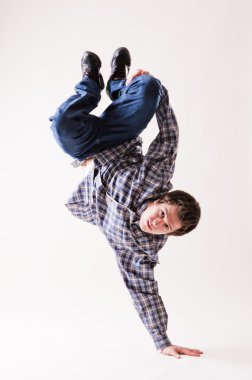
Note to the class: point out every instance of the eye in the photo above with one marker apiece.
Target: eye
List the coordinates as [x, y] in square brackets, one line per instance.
[163, 215]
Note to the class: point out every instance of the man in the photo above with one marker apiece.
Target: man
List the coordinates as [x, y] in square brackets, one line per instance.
[126, 194]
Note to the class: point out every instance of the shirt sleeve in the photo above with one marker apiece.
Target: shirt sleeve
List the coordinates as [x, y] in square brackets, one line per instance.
[79, 206]
[163, 148]
[137, 273]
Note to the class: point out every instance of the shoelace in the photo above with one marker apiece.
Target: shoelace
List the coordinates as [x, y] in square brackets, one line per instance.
[120, 72]
[92, 73]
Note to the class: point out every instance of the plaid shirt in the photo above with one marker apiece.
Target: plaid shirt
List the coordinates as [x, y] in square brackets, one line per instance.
[113, 196]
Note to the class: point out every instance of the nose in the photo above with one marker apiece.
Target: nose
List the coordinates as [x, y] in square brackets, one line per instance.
[156, 222]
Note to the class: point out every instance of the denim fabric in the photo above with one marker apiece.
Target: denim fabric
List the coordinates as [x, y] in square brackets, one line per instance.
[81, 134]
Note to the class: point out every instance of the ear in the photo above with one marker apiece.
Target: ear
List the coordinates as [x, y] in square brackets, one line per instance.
[156, 202]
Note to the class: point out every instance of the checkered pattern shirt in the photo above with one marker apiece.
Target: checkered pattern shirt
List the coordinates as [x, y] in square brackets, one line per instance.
[113, 196]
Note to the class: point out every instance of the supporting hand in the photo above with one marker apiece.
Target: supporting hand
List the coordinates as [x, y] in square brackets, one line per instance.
[136, 74]
[177, 350]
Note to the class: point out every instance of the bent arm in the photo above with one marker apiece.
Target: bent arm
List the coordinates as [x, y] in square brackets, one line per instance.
[138, 276]
[164, 147]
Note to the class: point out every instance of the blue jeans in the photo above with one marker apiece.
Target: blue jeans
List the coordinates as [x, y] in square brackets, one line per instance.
[81, 134]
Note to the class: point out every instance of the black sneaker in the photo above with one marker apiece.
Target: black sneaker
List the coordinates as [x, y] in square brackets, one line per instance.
[120, 65]
[90, 66]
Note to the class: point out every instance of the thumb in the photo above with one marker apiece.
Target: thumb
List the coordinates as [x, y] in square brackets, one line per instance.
[175, 354]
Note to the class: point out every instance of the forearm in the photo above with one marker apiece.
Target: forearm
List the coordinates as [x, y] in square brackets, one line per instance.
[153, 314]
[138, 276]
[164, 146]
[167, 122]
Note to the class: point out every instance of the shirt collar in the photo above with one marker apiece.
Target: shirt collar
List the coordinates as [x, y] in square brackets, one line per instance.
[142, 207]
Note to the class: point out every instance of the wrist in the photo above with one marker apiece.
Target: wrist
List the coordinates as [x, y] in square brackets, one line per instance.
[162, 342]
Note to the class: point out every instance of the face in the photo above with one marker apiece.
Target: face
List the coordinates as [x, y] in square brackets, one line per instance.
[160, 218]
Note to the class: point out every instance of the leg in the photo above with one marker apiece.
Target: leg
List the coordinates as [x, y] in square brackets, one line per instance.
[128, 115]
[74, 129]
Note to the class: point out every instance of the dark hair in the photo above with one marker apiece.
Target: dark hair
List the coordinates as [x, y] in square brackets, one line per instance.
[188, 210]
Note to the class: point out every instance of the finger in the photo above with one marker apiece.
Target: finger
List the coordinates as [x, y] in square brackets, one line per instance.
[198, 351]
[136, 74]
[141, 72]
[189, 353]
[193, 349]
[129, 80]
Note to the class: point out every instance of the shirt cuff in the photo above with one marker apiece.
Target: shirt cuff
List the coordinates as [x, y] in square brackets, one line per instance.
[162, 342]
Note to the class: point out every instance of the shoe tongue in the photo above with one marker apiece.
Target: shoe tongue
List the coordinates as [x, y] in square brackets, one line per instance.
[120, 72]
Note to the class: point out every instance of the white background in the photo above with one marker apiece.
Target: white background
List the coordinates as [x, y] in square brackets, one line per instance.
[64, 310]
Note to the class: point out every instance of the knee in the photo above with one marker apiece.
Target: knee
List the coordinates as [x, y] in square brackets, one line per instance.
[64, 127]
[151, 91]
[152, 86]
[58, 126]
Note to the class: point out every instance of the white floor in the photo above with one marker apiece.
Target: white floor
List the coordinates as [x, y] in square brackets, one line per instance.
[56, 347]
[65, 313]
